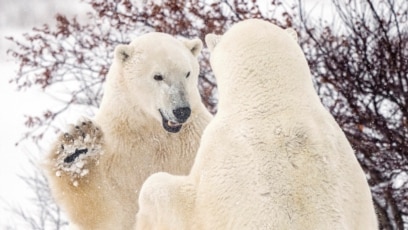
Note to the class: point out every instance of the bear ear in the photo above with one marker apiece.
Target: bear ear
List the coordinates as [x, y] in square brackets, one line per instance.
[122, 53]
[194, 45]
[292, 33]
[212, 40]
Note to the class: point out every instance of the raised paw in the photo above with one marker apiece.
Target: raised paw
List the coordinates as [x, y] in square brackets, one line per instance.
[77, 149]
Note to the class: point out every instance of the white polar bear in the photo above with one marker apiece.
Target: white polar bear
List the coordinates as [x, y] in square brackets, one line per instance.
[272, 157]
[151, 119]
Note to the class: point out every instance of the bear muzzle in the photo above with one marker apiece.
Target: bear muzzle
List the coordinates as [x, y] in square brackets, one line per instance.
[181, 115]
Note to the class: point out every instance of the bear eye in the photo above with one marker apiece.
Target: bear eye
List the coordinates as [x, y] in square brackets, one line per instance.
[188, 75]
[158, 77]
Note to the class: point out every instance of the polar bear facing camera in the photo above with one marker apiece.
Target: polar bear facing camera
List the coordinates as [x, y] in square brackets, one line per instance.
[272, 157]
[151, 119]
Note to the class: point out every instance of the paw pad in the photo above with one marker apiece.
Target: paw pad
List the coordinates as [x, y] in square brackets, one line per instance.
[78, 148]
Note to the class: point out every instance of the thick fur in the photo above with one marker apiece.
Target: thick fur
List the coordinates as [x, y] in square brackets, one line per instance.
[272, 157]
[96, 170]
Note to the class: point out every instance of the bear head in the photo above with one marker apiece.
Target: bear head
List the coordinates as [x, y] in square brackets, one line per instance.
[159, 75]
[255, 57]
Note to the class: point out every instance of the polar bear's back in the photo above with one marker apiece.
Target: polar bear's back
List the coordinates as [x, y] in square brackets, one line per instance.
[294, 177]
[273, 157]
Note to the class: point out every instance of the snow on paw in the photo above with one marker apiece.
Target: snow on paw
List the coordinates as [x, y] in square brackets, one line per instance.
[77, 149]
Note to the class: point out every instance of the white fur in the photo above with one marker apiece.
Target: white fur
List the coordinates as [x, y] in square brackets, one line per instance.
[135, 144]
[272, 158]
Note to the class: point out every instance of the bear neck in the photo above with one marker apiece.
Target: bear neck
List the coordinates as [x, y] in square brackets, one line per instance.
[267, 71]
[276, 90]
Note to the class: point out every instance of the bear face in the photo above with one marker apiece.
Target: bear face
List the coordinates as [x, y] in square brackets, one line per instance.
[164, 72]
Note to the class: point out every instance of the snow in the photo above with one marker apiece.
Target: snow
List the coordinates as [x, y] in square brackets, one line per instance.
[16, 160]
[400, 180]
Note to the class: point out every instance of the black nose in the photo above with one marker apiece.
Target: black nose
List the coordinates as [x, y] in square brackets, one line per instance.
[182, 114]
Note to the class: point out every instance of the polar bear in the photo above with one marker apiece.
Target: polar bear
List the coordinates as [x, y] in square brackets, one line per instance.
[151, 119]
[272, 157]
